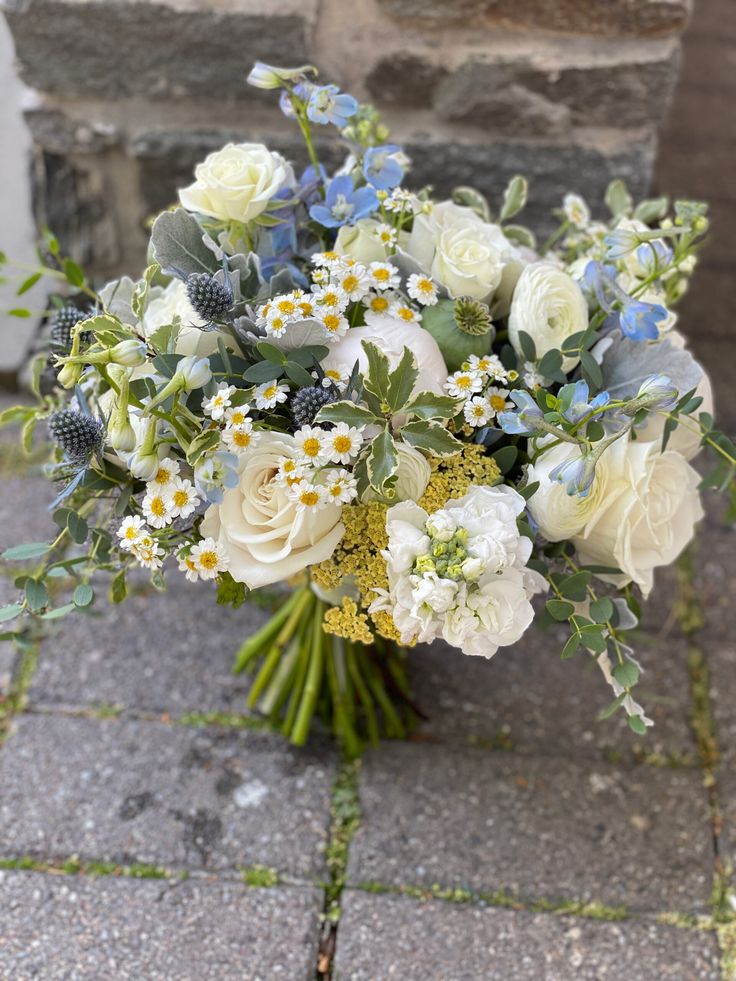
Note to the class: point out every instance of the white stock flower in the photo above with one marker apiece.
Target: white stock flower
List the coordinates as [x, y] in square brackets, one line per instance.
[260, 528]
[549, 306]
[639, 514]
[461, 251]
[237, 182]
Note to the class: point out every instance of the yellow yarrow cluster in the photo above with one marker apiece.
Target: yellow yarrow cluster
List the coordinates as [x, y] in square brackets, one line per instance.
[359, 552]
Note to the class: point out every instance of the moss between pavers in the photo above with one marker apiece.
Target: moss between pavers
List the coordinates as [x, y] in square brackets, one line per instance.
[260, 877]
[74, 866]
[17, 697]
[226, 720]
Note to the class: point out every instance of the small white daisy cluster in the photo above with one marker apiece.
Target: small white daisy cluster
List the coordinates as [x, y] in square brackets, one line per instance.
[205, 560]
[478, 383]
[400, 200]
[311, 476]
[238, 434]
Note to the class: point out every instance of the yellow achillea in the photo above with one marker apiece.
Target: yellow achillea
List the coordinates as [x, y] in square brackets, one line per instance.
[359, 552]
[345, 621]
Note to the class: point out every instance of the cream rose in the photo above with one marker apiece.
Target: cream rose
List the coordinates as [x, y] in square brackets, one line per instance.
[464, 253]
[172, 301]
[639, 514]
[265, 538]
[237, 182]
[392, 336]
[549, 306]
[412, 476]
[361, 243]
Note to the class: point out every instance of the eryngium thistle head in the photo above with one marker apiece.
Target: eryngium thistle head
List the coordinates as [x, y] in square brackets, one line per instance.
[471, 316]
[79, 435]
[306, 403]
[210, 299]
[62, 324]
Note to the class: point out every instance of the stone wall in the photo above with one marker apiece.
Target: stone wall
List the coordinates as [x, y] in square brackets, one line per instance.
[131, 93]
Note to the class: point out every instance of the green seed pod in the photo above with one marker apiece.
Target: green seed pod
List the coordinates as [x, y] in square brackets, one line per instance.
[456, 343]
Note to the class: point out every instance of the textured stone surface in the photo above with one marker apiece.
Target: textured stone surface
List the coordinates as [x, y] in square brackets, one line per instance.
[535, 827]
[24, 515]
[606, 17]
[109, 46]
[396, 937]
[576, 83]
[143, 792]
[63, 928]
[158, 652]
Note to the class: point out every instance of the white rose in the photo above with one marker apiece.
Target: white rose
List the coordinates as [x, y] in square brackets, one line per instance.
[392, 336]
[639, 514]
[237, 182]
[412, 476]
[171, 301]
[361, 243]
[264, 537]
[464, 253]
[549, 306]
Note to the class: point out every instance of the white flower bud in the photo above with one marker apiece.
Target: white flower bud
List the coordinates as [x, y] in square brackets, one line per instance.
[130, 353]
[193, 372]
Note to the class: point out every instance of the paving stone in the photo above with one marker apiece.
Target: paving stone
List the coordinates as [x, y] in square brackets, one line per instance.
[534, 827]
[159, 652]
[62, 928]
[24, 515]
[129, 791]
[397, 937]
[527, 697]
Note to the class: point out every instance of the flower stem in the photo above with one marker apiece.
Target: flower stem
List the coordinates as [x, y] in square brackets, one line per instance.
[313, 682]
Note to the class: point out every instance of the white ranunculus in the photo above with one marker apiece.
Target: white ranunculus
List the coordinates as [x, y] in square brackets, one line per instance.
[237, 182]
[549, 306]
[412, 476]
[392, 335]
[639, 514]
[461, 251]
[171, 301]
[361, 243]
[265, 538]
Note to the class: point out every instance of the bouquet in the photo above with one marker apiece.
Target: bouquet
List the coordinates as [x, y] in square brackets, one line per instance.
[402, 419]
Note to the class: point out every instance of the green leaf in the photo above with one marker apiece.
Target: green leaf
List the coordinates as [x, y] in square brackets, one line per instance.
[593, 637]
[520, 235]
[573, 343]
[514, 197]
[10, 612]
[77, 527]
[637, 725]
[468, 197]
[263, 371]
[601, 610]
[83, 594]
[32, 550]
[618, 199]
[591, 370]
[382, 463]
[527, 345]
[178, 244]
[21, 312]
[28, 284]
[560, 610]
[37, 596]
[574, 587]
[401, 381]
[571, 647]
[551, 364]
[60, 611]
[651, 210]
[204, 443]
[73, 273]
[140, 293]
[347, 412]
[431, 436]
[376, 379]
[626, 674]
[530, 490]
[270, 352]
[16, 413]
[26, 434]
[118, 587]
[506, 457]
[309, 354]
[615, 704]
[297, 374]
[427, 405]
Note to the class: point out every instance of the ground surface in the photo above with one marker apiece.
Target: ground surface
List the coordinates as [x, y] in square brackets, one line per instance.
[150, 830]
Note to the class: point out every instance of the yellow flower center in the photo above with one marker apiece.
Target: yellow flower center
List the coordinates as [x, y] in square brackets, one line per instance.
[381, 275]
[425, 286]
[269, 392]
[181, 497]
[342, 443]
[163, 475]
[241, 439]
[406, 313]
[463, 381]
[335, 489]
[379, 304]
[330, 300]
[309, 498]
[350, 283]
[286, 306]
[158, 507]
[237, 418]
[208, 560]
[498, 402]
[331, 322]
[311, 446]
[306, 308]
[131, 533]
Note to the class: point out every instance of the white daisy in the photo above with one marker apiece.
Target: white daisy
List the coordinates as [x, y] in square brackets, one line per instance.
[399, 199]
[576, 210]
[240, 438]
[320, 277]
[290, 471]
[354, 282]
[209, 558]
[157, 508]
[342, 443]
[384, 276]
[531, 377]
[148, 552]
[463, 384]
[329, 297]
[488, 364]
[402, 311]
[276, 325]
[327, 259]
[477, 411]
[270, 394]
[183, 498]
[311, 444]
[167, 470]
[216, 404]
[386, 235]
[335, 324]
[308, 496]
[422, 289]
[286, 306]
[378, 302]
[132, 529]
[236, 415]
[188, 566]
[341, 486]
[333, 374]
[498, 400]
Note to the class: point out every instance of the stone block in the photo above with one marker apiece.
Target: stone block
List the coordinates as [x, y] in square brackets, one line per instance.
[61, 927]
[397, 937]
[547, 87]
[535, 827]
[129, 792]
[124, 48]
[609, 18]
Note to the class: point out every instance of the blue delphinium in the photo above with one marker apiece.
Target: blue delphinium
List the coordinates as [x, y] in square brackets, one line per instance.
[659, 391]
[216, 474]
[653, 256]
[578, 403]
[638, 320]
[344, 203]
[577, 474]
[381, 168]
[524, 421]
[327, 104]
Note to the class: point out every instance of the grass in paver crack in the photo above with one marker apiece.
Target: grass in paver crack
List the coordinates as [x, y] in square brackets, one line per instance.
[74, 866]
[260, 876]
[224, 719]
[17, 697]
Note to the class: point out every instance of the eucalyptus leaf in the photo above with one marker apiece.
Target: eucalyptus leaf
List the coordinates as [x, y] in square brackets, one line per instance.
[177, 240]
